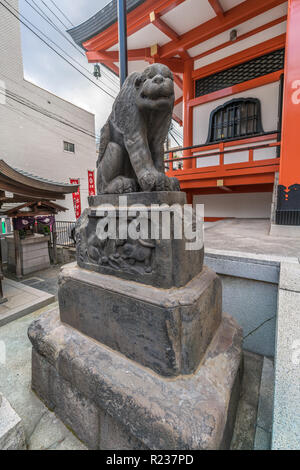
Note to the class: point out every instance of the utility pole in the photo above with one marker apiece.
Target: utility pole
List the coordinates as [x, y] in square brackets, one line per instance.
[122, 16]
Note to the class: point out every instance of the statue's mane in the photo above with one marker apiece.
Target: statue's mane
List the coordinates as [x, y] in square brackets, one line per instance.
[125, 105]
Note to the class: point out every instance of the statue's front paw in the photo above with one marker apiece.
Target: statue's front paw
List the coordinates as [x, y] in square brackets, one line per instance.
[148, 180]
[170, 184]
[174, 184]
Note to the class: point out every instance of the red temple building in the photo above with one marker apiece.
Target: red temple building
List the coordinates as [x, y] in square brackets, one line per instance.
[236, 68]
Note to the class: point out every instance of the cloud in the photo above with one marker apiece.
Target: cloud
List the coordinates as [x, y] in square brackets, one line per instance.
[47, 70]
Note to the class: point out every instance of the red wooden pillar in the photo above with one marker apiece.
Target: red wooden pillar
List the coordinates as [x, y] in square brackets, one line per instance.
[187, 112]
[288, 207]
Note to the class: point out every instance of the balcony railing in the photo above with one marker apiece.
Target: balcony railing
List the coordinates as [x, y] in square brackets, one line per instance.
[218, 155]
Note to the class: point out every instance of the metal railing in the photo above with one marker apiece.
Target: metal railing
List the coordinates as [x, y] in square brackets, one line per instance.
[64, 233]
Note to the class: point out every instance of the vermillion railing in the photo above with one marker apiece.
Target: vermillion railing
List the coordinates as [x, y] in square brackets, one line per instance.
[220, 150]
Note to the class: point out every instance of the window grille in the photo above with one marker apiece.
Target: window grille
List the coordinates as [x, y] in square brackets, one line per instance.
[69, 147]
[236, 118]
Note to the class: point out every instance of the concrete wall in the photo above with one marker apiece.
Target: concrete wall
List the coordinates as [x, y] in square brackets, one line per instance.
[32, 141]
[244, 205]
[250, 291]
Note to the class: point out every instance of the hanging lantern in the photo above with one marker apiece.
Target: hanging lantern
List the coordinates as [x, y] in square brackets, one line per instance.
[97, 71]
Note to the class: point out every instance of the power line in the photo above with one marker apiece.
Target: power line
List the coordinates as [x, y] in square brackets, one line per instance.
[65, 16]
[48, 20]
[57, 45]
[49, 113]
[38, 109]
[37, 122]
[56, 52]
[35, 91]
[170, 132]
[54, 14]
[44, 111]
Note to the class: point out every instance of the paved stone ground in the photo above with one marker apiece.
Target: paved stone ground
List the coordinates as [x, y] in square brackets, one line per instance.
[250, 236]
[42, 429]
[46, 280]
[21, 299]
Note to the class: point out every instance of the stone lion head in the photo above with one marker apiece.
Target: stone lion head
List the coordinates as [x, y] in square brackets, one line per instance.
[155, 88]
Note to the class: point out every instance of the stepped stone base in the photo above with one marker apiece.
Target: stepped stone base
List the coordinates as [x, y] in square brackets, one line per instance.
[113, 403]
[167, 330]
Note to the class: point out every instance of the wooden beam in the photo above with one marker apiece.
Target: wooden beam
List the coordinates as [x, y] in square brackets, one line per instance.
[178, 101]
[217, 7]
[175, 64]
[244, 56]
[42, 212]
[241, 37]
[162, 26]
[18, 263]
[178, 81]
[184, 54]
[113, 56]
[136, 20]
[233, 17]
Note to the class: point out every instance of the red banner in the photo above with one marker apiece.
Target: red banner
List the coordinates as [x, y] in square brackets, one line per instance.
[76, 199]
[92, 186]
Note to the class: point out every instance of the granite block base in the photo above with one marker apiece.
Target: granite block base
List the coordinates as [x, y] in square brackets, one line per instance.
[167, 330]
[112, 402]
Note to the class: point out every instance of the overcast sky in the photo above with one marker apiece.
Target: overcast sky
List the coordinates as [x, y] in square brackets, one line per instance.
[44, 68]
[47, 70]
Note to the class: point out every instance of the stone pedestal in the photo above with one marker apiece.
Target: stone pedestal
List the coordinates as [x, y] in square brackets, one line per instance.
[132, 363]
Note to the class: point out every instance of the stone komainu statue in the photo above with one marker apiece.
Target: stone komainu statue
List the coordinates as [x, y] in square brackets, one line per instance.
[131, 154]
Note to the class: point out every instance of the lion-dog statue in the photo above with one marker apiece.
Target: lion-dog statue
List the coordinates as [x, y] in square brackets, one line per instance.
[131, 153]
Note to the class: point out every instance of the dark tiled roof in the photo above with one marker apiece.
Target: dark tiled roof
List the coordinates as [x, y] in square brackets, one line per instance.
[22, 178]
[42, 180]
[100, 21]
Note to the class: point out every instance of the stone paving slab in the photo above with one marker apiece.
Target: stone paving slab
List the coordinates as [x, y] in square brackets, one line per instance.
[251, 236]
[12, 435]
[290, 277]
[286, 418]
[244, 432]
[265, 407]
[21, 300]
[42, 429]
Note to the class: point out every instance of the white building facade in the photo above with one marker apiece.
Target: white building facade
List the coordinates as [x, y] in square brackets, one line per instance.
[39, 132]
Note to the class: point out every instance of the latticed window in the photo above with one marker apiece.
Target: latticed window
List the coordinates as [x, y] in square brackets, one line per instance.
[254, 68]
[236, 118]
